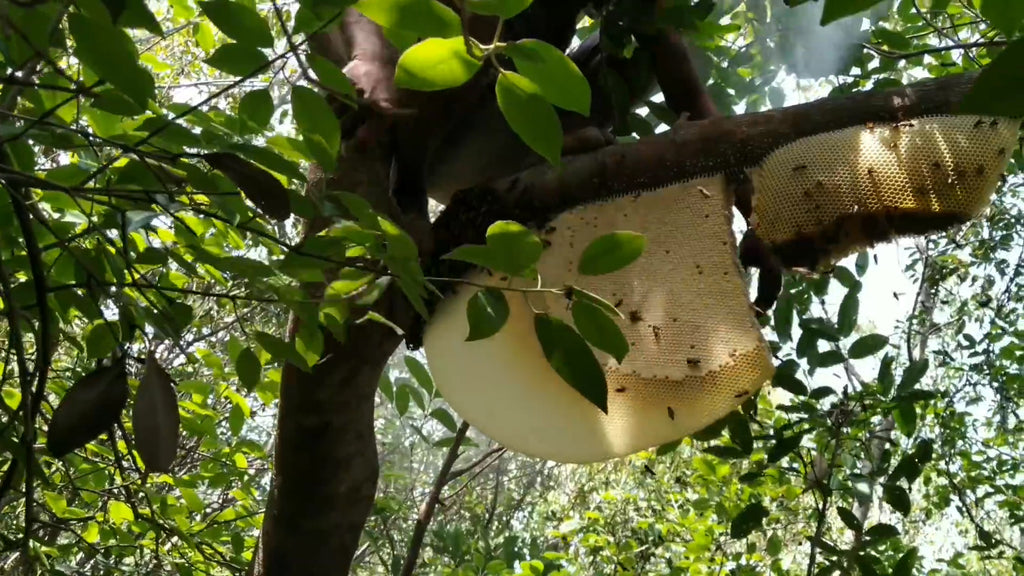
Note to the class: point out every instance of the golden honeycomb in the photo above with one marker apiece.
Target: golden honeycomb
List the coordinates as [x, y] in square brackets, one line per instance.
[859, 185]
[696, 350]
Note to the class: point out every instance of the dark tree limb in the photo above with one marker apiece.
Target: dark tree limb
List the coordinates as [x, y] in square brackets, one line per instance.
[427, 511]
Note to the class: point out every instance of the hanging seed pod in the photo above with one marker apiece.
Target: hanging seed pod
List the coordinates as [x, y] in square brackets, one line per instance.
[155, 417]
[91, 406]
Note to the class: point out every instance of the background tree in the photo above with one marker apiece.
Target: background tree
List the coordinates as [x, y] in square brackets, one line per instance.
[156, 201]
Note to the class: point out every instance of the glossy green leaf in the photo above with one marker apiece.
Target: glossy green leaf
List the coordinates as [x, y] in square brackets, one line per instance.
[501, 8]
[740, 434]
[906, 418]
[257, 106]
[239, 22]
[829, 358]
[258, 185]
[515, 248]
[435, 64]
[611, 252]
[331, 76]
[530, 115]
[1006, 15]
[913, 375]
[249, 369]
[837, 9]
[238, 60]
[420, 374]
[849, 518]
[110, 52]
[554, 74]
[849, 310]
[425, 18]
[907, 562]
[599, 330]
[487, 311]
[102, 338]
[867, 346]
[320, 130]
[570, 356]
[347, 282]
[997, 89]
[445, 418]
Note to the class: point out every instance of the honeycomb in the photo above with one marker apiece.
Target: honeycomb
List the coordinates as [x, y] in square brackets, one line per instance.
[696, 350]
[841, 191]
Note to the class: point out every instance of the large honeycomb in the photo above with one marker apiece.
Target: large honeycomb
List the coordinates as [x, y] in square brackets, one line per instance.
[696, 349]
[837, 192]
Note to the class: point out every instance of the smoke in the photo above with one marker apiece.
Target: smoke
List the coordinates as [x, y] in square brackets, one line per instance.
[812, 51]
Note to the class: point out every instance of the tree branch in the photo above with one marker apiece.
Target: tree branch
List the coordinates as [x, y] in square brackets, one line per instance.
[427, 512]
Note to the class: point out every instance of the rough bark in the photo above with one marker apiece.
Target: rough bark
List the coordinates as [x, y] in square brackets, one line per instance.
[326, 458]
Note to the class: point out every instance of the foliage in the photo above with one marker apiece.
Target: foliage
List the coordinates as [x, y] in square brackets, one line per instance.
[153, 160]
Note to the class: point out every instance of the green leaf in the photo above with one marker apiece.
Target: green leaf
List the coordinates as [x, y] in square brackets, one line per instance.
[905, 565]
[554, 74]
[445, 418]
[515, 248]
[837, 9]
[783, 446]
[237, 59]
[331, 76]
[423, 17]
[119, 512]
[435, 64]
[611, 252]
[1006, 15]
[420, 374]
[487, 311]
[790, 383]
[849, 518]
[137, 15]
[739, 433]
[749, 519]
[258, 185]
[320, 130]
[111, 53]
[829, 358]
[863, 260]
[883, 531]
[239, 22]
[886, 378]
[573, 360]
[349, 280]
[281, 350]
[530, 115]
[906, 418]
[897, 497]
[912, 375]
[102, 338]
[782, 318]
[997, 90]
[249, 369]
[599, 330]
[501, 8]
[867, 346]
[578, 293]
[257, 106]
[848, 312]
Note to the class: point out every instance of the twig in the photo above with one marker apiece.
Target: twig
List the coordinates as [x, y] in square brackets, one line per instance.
[427, 512]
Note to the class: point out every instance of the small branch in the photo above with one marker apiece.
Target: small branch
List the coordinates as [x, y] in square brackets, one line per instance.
[933, 50]
[459, 472]
[427, 512]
